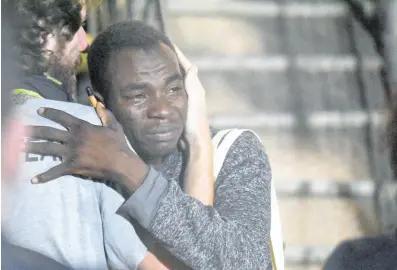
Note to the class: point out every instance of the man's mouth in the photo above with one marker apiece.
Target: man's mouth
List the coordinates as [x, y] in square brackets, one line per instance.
[163, 133]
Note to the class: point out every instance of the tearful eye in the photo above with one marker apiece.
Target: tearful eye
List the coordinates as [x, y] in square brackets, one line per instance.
[139, 96]
[135, 99]
[175, 89]
[138, 99]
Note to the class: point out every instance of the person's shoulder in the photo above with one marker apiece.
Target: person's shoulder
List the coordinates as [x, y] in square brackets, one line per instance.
[247, 146]
[20, 99]
[247, 141]
[14, 257]
[28, 111]
[363, 244]
[357, 253]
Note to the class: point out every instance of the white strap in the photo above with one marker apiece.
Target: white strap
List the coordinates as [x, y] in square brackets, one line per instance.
[276, 235]
[220, 152]
[218, 137]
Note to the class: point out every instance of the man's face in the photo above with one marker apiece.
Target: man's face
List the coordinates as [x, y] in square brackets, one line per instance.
[148, 97]
[65, 60]
[77, 44]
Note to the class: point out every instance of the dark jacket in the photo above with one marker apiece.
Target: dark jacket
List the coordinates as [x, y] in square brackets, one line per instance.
[43, 86]
[371, 253]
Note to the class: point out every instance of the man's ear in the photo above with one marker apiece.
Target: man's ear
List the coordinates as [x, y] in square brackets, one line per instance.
[11, 144]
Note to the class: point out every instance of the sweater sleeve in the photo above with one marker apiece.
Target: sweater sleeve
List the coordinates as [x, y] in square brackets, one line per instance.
[234, 234]
[123, 247]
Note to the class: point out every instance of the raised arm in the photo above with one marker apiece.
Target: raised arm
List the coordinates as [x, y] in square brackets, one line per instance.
[198, 176]
[199, 180]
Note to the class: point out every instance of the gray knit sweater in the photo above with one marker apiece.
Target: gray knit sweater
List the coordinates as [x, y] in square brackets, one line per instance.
[234, 234]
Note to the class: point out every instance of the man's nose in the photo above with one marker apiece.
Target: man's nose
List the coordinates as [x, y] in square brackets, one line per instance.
[83, 40]
[160, 109]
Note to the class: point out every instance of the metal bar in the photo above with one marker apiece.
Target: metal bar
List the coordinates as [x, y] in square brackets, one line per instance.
[160, 17]
[325, 63]
[387, 207]
[292, 75]
[122, 10]
[92, 21]
[369, 143]
[112, 10]
[258, 120]
[387, 12]
[146, 10]
[105, 14]
[130, 9]
[306, 255]
[262, 9]
[315, 120]
[357, 10]
[325, 188]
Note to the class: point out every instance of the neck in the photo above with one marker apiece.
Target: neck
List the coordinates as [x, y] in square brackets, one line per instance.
[156, 162]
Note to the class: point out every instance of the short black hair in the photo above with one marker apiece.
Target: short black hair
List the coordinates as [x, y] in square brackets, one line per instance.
[127, 34]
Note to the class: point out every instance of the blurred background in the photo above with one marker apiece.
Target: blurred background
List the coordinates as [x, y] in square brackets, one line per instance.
[309, 76]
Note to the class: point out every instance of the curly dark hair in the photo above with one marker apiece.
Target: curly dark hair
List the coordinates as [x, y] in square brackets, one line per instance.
[128, 34]
[34, 20]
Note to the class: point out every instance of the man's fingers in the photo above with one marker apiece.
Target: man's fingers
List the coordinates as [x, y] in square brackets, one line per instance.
[60, 117]
[48, 133]
[51, 174]
[190, 69]
[185, 63]
[101, 112]
[112, 121]
[98, 96]
[46, 149]
[191, 75]
[107, 118]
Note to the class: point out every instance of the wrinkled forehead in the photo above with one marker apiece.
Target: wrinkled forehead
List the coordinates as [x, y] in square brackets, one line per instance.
[141, 65]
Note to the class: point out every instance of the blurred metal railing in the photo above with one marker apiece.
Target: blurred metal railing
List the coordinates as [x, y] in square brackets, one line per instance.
[111, 11]
[379, 19]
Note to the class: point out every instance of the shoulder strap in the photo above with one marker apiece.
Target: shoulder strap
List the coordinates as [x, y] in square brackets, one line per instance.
[222, 142]
[218, 137]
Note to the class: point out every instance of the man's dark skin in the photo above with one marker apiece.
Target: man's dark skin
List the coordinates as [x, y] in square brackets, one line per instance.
[148, 97]
[151, 98]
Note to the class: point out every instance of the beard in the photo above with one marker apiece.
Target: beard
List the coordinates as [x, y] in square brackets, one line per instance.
[64, 70]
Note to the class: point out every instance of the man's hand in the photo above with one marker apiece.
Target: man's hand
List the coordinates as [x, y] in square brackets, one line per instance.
[199, 181]
[197, 125]
[88, 150]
